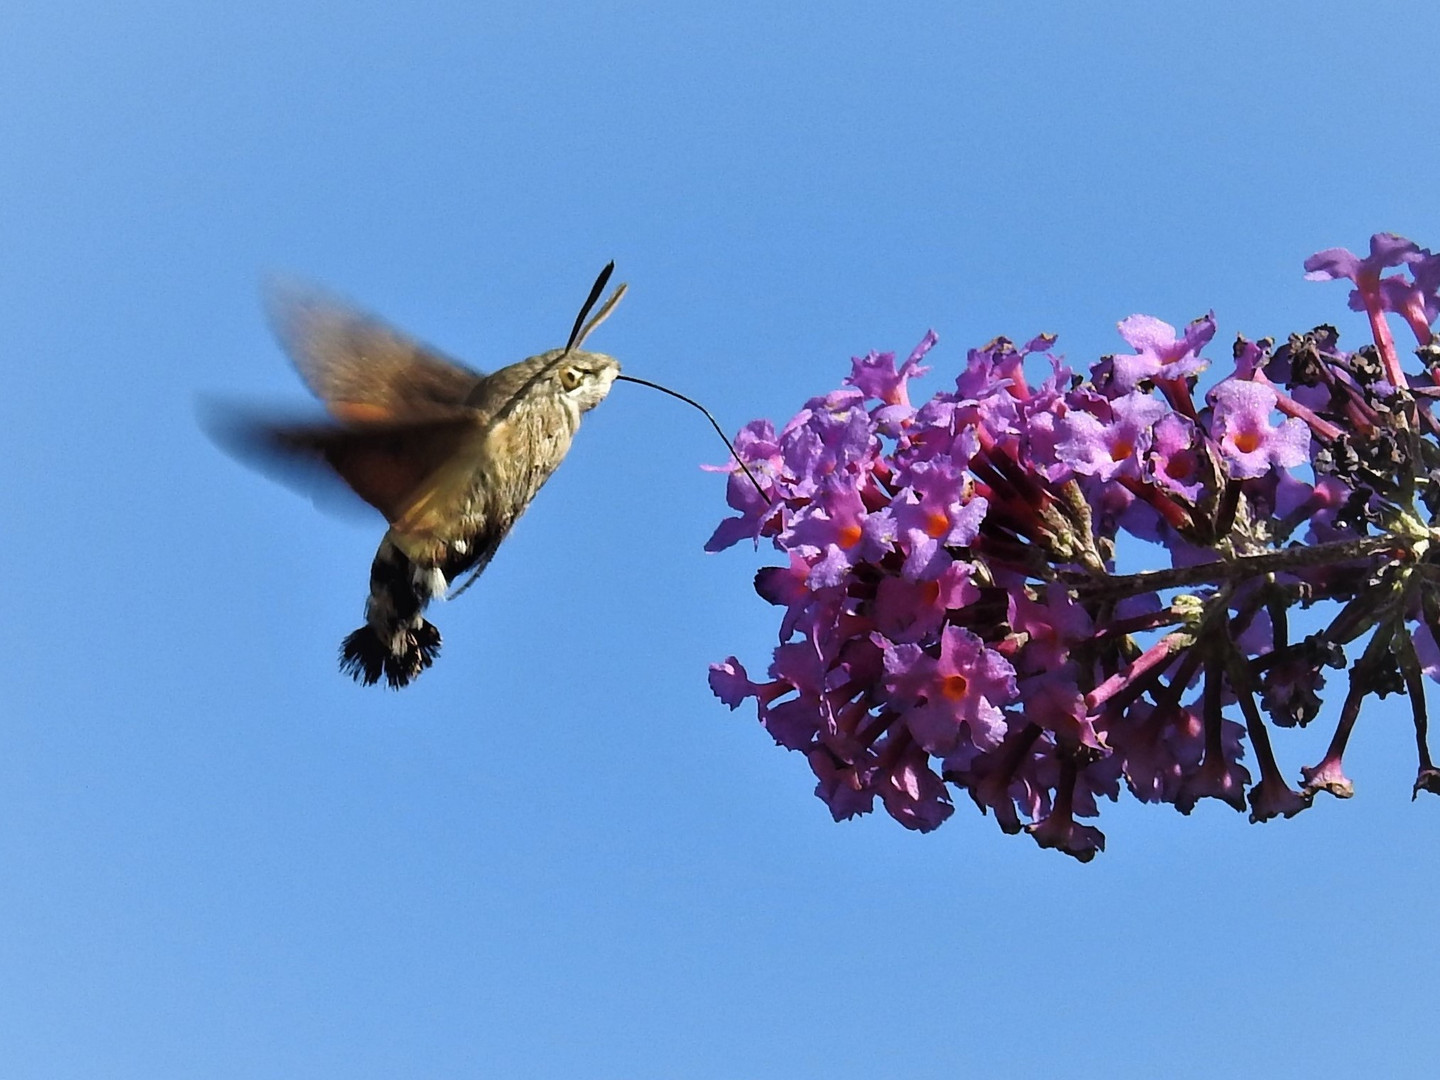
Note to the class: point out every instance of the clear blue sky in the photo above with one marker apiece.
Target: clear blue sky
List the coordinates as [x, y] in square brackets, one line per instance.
[557, 855]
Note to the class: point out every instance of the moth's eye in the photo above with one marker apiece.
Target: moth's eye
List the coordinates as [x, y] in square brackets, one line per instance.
[570, 377]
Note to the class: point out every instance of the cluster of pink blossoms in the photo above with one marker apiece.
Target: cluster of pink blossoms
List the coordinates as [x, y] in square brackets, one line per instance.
[953, 615]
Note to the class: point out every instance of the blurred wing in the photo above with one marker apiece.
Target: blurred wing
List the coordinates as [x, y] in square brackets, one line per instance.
[363, 370]
[385, 464]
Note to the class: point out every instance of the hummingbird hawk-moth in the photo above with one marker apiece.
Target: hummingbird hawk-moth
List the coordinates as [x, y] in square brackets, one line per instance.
[450, 456]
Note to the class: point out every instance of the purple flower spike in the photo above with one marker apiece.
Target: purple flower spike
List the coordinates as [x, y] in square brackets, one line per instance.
[960, 612]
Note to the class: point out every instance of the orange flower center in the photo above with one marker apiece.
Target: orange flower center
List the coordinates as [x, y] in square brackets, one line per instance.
[954, 687]
[1247, 442]
[1122, 450]
[850, 536]
[937, 525]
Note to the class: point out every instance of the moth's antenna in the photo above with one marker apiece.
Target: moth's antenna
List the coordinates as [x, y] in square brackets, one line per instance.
[604, 312]
[582, 329]
[595, 291]
[718, 431]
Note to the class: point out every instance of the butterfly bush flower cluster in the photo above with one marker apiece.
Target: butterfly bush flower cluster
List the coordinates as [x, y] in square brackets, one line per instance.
[963, 609]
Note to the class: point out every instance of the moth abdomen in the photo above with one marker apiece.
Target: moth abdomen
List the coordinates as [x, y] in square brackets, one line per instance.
[396, 641]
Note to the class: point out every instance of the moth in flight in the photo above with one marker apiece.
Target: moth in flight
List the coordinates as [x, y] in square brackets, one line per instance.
[451, 457]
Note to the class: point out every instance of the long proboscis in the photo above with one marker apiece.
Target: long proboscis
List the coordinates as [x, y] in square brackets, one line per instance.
[713, 423]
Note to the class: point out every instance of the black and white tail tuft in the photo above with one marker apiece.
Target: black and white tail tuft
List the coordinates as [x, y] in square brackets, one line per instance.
[396, 642]
[365, 658]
